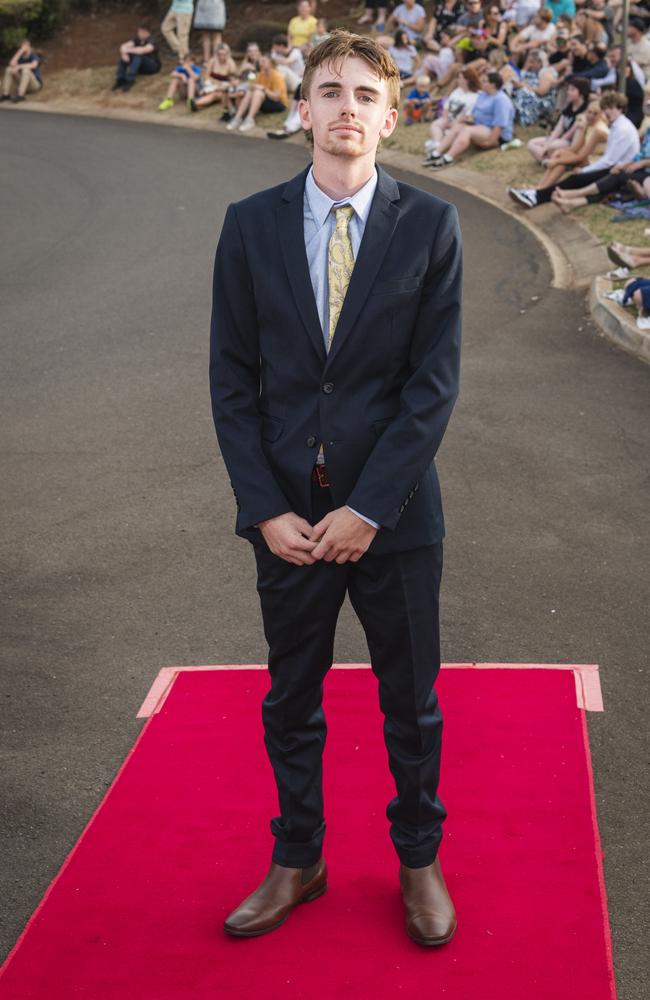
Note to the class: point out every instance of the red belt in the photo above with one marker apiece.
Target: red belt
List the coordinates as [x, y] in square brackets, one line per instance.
[319, 475]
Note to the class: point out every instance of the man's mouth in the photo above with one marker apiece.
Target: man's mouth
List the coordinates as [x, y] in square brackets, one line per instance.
[345, 128]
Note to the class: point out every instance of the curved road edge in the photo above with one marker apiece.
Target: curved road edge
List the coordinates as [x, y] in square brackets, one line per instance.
[578, 260]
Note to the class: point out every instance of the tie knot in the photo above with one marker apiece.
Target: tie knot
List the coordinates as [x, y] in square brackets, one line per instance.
[343, 216]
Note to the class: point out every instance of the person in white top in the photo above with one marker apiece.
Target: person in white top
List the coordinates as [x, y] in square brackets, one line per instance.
[538, 33]
[410, 16]
[623, 144]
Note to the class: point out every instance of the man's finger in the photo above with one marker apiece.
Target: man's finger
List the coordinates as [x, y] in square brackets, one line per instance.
[321, 526]
[304, 527]
[303, 544]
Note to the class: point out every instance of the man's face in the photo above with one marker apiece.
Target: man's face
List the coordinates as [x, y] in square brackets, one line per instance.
[633, 33]
[347, 109]
[611, 114]
[473, 6]
[142, 34]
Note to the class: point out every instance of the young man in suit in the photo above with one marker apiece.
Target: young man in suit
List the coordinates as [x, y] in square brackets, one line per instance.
[334, 370]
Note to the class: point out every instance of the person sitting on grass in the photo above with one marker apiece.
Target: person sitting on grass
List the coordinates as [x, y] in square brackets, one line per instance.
[266, 95]
[630, 176]
[23, 74]
[185, 81]
[627, 256]
[220, 78]
[410, 17]
[577, 93]
[622, 146]
[488, 127]
[440, 56]
[461, 101]
[417, 104]
[636, 292]
[535, 35]
[247, 71]
[405, 57]
[535, 91]
[302, 26]
[589, 136]
[138, 55]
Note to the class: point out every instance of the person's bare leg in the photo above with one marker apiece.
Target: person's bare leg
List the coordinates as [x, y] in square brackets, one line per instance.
[257, 99]
[553, 175]
[567, 204]
[570, 196]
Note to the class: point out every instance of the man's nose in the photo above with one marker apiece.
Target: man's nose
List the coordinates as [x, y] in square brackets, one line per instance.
[348, 104]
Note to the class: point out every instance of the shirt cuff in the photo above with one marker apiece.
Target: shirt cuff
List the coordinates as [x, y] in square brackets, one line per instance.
[368, 520]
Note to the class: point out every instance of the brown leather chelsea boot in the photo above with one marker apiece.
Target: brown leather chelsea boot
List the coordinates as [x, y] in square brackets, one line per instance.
[273, 900]
[430, 914]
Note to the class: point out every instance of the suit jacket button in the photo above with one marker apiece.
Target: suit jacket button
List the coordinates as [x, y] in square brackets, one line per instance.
[311, 441]
[328, 387]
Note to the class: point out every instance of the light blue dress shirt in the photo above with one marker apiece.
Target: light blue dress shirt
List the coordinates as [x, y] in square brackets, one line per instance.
[319, 222]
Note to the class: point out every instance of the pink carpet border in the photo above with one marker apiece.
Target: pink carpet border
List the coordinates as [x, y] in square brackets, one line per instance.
[588, 696]
[586, 676]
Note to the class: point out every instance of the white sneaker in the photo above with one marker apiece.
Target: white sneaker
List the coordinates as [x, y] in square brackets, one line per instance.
[618, 273]
[247, 125]
[616, 296]
[643, 322]
[233, 123]
[524, 196]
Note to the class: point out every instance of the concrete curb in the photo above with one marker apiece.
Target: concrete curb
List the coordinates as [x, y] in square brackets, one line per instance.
[616, 322]
[577, 258]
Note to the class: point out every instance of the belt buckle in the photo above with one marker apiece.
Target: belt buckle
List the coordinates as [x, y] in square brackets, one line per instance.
[321, 475]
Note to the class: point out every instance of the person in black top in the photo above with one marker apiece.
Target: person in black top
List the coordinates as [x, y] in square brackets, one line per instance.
[138, 55]
[23, 74]
[635, 97]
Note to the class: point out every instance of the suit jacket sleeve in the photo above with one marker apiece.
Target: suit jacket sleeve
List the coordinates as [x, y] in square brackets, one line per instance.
[408, 445]
[235, 381]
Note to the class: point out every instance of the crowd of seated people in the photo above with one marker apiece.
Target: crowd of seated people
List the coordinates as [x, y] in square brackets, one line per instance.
[473, 70]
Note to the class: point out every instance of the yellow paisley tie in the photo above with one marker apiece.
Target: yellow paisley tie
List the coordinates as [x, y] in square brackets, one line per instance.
[340, 262]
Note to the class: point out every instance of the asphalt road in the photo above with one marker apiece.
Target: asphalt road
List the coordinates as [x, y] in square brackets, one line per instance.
[118, 555]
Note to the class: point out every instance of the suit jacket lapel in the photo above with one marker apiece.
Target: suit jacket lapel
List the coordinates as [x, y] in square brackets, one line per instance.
[378, 232]
[291, 231]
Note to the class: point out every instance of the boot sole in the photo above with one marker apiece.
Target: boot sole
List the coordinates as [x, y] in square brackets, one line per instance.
[314, 894]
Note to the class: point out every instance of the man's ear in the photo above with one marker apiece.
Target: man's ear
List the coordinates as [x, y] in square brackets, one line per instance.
[305, 113]
[390, 122]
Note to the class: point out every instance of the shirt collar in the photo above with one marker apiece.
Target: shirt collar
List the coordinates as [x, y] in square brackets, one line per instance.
[320, 204]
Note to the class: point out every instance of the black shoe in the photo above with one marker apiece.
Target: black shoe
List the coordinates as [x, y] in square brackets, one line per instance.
[126, 85]
[118, 85]
[17, 98]
[226, 116]
[193, 105]
[5, 97]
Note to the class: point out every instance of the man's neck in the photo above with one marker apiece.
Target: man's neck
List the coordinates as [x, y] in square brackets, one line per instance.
[341, 177]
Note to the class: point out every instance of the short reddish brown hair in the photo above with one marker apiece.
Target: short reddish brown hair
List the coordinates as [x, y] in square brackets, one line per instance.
[341, 44]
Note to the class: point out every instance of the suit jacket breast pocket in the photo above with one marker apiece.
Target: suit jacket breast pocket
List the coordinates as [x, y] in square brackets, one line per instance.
[398, 286]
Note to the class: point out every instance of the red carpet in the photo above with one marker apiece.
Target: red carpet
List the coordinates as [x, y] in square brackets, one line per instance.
[183, 835]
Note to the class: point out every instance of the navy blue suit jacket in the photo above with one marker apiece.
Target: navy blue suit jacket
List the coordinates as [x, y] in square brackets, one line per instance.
[379, 401]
